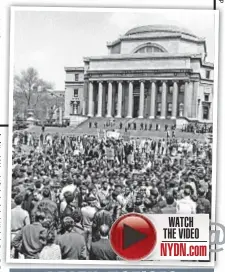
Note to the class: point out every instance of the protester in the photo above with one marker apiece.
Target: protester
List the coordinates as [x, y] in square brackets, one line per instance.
[72, 244]
[101, 249]
[51, 251]
[29, 240]
[19, 219]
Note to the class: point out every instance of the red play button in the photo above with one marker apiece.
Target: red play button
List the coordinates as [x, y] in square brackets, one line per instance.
[133, 236]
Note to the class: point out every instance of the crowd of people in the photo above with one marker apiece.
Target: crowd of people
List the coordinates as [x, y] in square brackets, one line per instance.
[67, 191]
[197, 128]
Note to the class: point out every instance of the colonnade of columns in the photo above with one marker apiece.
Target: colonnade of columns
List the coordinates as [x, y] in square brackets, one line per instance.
[152, 89]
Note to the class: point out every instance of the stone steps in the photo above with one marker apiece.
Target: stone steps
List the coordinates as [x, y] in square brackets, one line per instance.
[77, 120]
[115, 124]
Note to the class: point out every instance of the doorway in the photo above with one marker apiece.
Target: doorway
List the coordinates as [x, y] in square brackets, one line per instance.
[136, 106]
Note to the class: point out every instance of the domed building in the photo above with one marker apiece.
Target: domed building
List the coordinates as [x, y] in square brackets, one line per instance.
[154, 71]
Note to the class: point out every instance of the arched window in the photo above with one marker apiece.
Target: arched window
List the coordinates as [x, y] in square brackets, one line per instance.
[149, 49]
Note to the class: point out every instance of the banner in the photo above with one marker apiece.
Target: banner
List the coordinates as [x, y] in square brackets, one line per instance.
[113, 134]
[110, 154]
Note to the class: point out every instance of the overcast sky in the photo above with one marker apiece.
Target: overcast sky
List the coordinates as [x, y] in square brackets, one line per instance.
[51, 40]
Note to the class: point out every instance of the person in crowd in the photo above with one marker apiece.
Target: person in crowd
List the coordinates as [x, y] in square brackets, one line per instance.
[19, 219]
[102, 217]
[28, 241]
[70, 207]
[78, 225]
[186, 205]
[170, 207]
[50, 251]
[72, 244]
[101, 249]
[202, 200]
[19, 216]
[88, 212]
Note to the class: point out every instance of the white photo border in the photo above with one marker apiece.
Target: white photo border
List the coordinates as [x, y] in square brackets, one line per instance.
[110, 264]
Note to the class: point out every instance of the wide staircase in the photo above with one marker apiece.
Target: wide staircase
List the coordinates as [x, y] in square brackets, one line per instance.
[95, 125]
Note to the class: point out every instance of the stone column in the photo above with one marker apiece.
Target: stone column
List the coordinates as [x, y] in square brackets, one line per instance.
[130, 100]
[83, 107]
[60, 116]
[90, 100]
[153, 95]
[99, 114]
[200, 113]
[113, 99]
[163, 102]
[119, 101]
[186, 94]
[85, 98]
[142, 99]
[109, 104]
[175, 97]
[104, 102]
[195, 99]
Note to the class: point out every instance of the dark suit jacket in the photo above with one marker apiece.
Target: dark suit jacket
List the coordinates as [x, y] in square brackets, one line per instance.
[101, 250]
[72, 246]
[101, 217]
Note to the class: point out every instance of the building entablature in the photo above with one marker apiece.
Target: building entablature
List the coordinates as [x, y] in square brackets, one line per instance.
[72, 83]
[158, 75]
[153, 56]
[74, 69]
[146, 62]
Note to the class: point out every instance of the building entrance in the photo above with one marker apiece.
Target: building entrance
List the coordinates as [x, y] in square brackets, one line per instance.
[136, 106]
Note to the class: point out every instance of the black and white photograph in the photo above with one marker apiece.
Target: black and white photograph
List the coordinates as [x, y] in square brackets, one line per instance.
[113, 112]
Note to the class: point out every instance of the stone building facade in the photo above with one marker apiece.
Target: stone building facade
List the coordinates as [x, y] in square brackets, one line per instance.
[151, 72]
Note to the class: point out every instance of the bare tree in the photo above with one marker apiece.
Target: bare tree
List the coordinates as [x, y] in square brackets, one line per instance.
[29, 83]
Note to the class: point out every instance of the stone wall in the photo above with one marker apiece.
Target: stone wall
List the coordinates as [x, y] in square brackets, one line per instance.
[70, 76]
[140, 63]
[205, 88]
[171, 45]
[69, 94]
